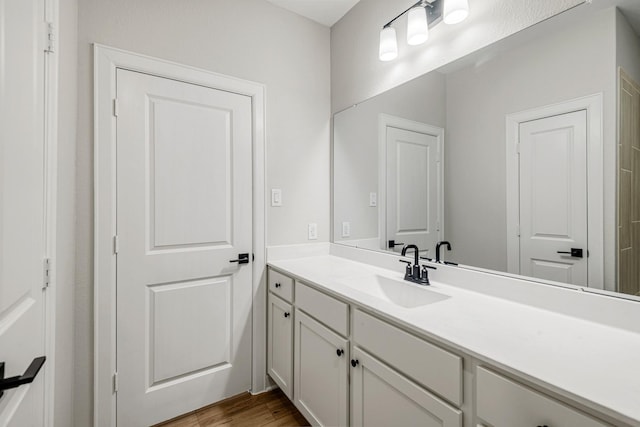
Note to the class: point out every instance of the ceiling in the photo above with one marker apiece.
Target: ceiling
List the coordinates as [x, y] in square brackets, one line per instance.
[326, 12]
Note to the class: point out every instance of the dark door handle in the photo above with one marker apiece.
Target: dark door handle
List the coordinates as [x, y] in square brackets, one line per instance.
[355, 362]
[26, 378]
[576, 253]
[242, 259]
[393, 244]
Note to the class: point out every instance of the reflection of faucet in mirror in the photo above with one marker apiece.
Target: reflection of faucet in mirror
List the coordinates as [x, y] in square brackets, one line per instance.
[444, 242]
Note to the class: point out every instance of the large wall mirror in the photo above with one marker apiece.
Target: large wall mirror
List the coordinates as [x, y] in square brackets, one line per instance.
[525, 156]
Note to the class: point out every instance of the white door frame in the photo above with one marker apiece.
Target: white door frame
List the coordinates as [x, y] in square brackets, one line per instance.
[385, 121]
[592, 104]
[51, 97]
[106, 61]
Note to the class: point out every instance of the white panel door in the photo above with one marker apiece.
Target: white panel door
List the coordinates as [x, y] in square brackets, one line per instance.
[184, 204]
[321, 377]
[553, 198]
[382, 397]
[22, 206]
[412, 189]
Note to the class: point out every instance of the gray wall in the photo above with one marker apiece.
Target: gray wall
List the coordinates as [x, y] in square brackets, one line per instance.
[355, 148]
[627, 47]
[568, 64]
[357, 74]
[248, 39]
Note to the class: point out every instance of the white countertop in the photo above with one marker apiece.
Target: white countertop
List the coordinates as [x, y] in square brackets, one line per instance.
[593, 364]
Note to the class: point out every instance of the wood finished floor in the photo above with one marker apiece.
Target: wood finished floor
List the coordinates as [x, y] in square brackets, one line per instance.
[271, 409]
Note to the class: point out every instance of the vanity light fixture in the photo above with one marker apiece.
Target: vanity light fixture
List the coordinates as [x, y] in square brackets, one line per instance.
[421, 15]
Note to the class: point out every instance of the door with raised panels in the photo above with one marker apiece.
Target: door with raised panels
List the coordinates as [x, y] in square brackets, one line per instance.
[22, 207]
[553, 198]
[412, 189]
[184, 203]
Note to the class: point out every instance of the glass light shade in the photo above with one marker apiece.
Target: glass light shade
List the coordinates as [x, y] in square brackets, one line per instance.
[388, 44]
[417, 27]
[455, 11]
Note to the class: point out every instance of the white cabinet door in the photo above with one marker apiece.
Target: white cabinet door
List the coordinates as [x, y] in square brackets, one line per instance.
[321, 373]
[22, 207]
[183, 213]
[383, 397]
[280, 344]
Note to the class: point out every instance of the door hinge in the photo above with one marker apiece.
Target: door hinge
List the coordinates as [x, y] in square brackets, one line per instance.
[518, 230]
[115, 107]
[49, 38]
[46, 273]
[517, 147]
[115, 382]
[116, 245]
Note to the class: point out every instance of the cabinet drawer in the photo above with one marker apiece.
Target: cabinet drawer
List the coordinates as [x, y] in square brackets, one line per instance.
[328, 310]
[503, 402]
[429, 365]
[281, 285]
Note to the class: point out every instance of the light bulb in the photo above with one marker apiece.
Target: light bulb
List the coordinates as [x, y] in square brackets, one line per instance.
[388, 44]
[455, 11]
[417, 27]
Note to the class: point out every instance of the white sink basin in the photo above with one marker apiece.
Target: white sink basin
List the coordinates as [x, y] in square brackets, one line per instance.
[402, 293]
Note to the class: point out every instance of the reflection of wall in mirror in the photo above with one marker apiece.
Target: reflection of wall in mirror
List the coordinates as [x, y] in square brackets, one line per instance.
[571, 63]
[355, 152]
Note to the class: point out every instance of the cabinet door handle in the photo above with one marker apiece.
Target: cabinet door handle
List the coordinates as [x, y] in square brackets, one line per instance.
[355, 362]
[287, 314]
[339, 352]
[278, 285]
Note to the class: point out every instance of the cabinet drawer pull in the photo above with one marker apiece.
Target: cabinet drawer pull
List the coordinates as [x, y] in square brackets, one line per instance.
[278, 285]
[287, 314]
[355, 362]
[339, 352]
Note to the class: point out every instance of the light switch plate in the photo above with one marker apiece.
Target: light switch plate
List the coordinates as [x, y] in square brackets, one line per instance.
[346, 229]
[373, 199]
[276, 197]
[313, 231]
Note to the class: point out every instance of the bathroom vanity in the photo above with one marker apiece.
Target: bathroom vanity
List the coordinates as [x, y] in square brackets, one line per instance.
[351, 343]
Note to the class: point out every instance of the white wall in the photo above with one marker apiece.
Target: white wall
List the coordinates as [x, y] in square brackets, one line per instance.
[547, 70]
[248, 39]
[355, 148]
[357, 74]
[67, 52]
[627, 47]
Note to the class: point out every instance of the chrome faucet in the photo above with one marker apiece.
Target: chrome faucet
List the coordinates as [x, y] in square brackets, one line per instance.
[414, 273]
[444, 242]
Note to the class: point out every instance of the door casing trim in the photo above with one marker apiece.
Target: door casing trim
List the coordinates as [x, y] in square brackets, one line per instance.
[106, 61]
[592, 104]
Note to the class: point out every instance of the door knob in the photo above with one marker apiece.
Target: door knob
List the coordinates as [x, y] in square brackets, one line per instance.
[26, 378]
[242, 259]
[575, 252]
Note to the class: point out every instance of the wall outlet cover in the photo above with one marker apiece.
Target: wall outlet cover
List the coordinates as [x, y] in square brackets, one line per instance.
[313, 231]
[373, 199]
[346, 229]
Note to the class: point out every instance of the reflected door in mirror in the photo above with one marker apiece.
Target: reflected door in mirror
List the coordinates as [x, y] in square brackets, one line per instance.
[553, 198]
[412, 188]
